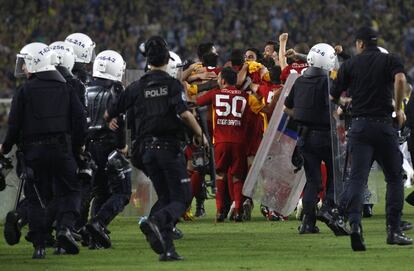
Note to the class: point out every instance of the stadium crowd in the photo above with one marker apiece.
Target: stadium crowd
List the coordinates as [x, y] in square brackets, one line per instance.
[185, 24]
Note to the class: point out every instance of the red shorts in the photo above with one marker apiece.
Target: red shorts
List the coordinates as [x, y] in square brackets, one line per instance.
[231, 158]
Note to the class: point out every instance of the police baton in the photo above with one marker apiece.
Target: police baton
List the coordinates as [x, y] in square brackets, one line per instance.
[25, 175]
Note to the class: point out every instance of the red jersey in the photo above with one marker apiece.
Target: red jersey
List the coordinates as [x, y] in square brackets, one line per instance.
[229, 118]
[265, 90]
[216, 70]
[295, 67]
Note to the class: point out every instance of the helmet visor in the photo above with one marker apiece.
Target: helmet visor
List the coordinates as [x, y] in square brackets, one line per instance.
[18, 71]
[93, 54]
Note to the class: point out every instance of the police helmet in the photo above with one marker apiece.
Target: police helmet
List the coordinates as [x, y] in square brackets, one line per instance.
[83, 47]
[322, 56]
[174, 65]
[37, 57]
[65, 54]
[109, 65]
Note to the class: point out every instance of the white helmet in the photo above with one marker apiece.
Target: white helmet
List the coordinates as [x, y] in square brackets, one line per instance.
[322, 56]
[174, 65]
[37, 57]
[65, 54]
[109, 65]
[383, 50]
[83, 47]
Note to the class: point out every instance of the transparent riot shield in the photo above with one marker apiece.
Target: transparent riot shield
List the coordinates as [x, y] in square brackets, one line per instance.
[341, 160]
[143, 194]
[8, 195]
[272, 179]
[340, 157]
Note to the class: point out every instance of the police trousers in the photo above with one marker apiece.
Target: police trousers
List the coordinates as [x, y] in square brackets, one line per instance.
[166, 167]
[54, 181]
[315, 147]
[374, 139]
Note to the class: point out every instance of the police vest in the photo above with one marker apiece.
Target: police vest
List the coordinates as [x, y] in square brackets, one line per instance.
[46, 107]
[154, 113]
[311, 102]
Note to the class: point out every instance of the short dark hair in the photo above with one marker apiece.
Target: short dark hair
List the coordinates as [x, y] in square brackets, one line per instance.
[209, 60]
[236, 57]
[157, 52]
[275, 44]
[204, 48]
[368, 35]
[229, 76]
[158, 56]
[302, 48]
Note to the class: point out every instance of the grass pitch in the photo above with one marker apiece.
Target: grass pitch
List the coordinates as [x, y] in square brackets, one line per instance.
[254, 245]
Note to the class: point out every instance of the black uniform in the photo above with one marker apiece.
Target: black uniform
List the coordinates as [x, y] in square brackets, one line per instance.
[111, 192]
[309, 99]
[79, 71]
[368, 77]
[46, 119]
[75, 83]
[158, 99]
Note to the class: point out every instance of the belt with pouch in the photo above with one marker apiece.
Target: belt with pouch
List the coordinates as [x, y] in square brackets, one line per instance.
[61, 139]
[157, 143]
[304, 130]
[386, 120]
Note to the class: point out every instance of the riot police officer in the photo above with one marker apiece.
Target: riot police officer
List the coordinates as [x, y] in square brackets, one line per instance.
[160, 114]
[84, 49]
[17, 219]
[47, 119]
[308, 103]
[370, 78]
[112, 179]
[66, 59]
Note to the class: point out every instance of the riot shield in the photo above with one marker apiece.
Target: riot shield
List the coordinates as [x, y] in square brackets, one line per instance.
[340, 158]
[143, 194]
[8, 195]
[131, 75]
[272, 178]
[407, 165]
[341, 161]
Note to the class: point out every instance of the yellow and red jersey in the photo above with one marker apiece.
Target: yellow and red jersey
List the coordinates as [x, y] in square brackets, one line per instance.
[229, 118]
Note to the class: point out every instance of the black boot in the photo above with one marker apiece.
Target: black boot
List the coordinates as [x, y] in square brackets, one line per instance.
[176, 234]
[153, 235]
[367, 210]
[405, 225]
[12, 229]
[200, 211]
[357, 240]
[397, 237]
[83, 232]
[66, 241]
[170, 254]
[98, 234]
[308, 225]
[333, 220]
[39, 252]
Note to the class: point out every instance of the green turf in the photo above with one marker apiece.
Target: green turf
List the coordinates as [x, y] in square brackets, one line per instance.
[255, 245]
